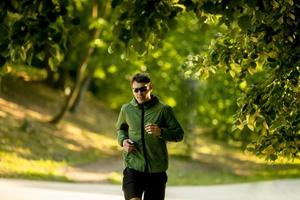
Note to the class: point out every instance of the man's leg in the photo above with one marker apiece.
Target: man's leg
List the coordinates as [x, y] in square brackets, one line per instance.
[156, 187]
[132, 185]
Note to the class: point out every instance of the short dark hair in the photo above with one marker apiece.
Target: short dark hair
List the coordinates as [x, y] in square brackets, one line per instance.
[141, 78]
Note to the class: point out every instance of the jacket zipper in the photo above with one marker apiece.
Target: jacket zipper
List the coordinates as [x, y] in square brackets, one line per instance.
[143, 138]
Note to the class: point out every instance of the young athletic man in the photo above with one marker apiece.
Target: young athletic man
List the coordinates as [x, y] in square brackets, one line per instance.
[144, 126]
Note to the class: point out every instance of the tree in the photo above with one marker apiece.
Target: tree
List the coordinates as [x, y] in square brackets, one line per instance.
[46, 34]
[34, 32]
[80, 83]
[260, 50]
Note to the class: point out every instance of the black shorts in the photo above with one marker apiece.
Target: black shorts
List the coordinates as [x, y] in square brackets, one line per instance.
[135, 183]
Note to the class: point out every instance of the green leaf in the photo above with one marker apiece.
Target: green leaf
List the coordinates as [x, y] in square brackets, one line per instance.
[250, 122]
[53, 62]
[244, 22]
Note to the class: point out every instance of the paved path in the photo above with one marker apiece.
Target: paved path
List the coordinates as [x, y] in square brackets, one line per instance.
[35, 190]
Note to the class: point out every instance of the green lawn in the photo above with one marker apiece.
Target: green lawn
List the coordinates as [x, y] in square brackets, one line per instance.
[32, 148]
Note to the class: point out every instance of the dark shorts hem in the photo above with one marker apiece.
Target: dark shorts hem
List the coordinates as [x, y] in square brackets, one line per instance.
[136, 183]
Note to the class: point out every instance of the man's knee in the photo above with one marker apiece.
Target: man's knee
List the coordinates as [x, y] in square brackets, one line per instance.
[135, 198]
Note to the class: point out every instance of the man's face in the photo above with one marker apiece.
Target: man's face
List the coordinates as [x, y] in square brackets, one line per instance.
[141, 91]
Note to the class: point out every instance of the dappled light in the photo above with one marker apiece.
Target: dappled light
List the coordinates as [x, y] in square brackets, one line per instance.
[213, 149]
[23, 132]
[12, 109]
[97, 140]
[71, 129]
[3, 114]
[229, 70]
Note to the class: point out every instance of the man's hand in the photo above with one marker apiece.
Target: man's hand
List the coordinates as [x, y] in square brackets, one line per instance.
[153, 129]
[128, 145]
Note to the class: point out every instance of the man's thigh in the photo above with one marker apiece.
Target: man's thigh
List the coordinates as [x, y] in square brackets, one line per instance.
[156, 187]
[132, 184]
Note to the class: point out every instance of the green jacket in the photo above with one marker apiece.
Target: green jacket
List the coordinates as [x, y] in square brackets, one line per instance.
[151, 155]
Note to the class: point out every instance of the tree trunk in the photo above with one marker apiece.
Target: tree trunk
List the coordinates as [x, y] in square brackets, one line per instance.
[84, 87]
[87, 81]
[50, 79]
[80, 74]
[60, 83]
[74, 92]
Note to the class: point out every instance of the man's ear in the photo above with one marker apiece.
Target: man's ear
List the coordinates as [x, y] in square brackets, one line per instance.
[150, 86]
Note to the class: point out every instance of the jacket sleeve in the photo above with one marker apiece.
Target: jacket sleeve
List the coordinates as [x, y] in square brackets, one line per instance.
[122, 127]
[172, 131]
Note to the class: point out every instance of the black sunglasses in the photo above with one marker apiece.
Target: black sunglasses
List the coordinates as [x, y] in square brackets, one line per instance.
[141, 89]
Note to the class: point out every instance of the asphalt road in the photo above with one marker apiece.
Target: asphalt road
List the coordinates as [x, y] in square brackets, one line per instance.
[41, 190]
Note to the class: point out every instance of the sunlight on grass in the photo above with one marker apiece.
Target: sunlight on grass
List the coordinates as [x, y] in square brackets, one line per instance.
[19, 111]
[73, 147]
[12, 109]
[115, 177]
[178, 149]
[214, 162]
[90, 139]
[34, 149]
[215, 149]
[12, 165]
[2, 114]
[184, 171]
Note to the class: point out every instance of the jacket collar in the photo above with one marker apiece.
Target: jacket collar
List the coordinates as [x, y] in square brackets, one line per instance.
[153, 101]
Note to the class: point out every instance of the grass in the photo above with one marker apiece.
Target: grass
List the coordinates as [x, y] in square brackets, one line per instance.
[14, 166]
[31, 148]
[217, 163]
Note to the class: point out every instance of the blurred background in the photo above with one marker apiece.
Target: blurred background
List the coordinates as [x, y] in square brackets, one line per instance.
[65, 72]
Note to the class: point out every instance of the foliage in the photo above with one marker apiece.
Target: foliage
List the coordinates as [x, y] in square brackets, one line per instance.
[216, 109]
[255, 42]
[141, 23]
[52, 34]
[261, 37]
[35, 32]
[164, 67]
[67, 38]
[270, 105]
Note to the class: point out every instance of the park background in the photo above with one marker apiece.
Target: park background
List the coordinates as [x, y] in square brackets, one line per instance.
[229, 69]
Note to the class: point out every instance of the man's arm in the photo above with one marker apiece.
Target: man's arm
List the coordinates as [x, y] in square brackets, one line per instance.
[122, 130]
[172, 130]
[122, 127]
